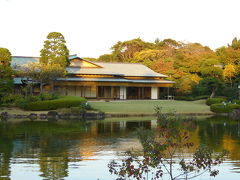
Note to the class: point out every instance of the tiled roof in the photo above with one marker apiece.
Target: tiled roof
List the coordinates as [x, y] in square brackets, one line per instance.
[22, 60]
[116, 80]
[120, 69]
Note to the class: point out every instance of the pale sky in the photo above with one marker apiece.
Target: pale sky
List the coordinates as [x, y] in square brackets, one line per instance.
[91, 27]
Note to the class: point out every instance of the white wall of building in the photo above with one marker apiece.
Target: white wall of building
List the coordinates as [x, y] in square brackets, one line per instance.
[154, 92]
[123, 92]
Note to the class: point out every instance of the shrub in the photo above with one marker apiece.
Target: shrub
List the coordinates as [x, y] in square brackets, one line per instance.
[86, 106]
[64, 102]
[64, 110]
[21, 102]
[47, 96]
[230, 93]
[233, 106]
[33, 98]
[190, 98]
[219, 108]
[77, 110]
[236, 101]
[184, 98]
[11, 98]
[211, 101]
[223, 108]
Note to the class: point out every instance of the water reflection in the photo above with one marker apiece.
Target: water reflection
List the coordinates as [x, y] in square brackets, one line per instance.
[52, 147]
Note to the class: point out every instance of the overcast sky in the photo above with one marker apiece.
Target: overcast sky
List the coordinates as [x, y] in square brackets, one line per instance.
[91, 27]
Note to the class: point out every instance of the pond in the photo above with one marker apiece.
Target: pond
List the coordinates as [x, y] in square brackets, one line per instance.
[75, 150]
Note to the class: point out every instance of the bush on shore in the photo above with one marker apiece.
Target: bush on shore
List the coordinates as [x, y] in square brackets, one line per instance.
[190, 98]
[223, 107]
[64, 102]
[211, 101]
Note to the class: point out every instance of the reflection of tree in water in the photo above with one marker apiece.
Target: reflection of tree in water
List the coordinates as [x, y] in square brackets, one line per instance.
[55, 144]
[45, 140]
[53, 167]
[221, 133]
[6, 148]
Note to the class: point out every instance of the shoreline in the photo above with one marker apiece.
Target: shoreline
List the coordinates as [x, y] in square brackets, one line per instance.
[53, 115]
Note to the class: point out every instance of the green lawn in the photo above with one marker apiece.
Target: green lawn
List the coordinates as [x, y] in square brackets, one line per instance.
[147, 107]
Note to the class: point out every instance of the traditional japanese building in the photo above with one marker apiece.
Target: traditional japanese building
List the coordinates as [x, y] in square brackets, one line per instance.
[105, 80]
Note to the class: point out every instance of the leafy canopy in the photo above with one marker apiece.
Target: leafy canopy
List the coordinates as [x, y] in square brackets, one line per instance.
[6, 80]
[55, 50]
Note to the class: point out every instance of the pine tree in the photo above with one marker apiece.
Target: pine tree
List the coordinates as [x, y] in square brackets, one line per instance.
[6, 80]
[55, 50]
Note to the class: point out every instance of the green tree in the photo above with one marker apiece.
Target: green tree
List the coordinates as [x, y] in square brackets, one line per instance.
[42, 73]
[55, 50]
[5, 57]
[211, 67]
[124, 51]
[106, 58]
[235, 44]
[6, 80]
[210, 85]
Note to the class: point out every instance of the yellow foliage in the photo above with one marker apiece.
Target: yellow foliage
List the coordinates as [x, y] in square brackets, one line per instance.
[229, 71]
[195, 78]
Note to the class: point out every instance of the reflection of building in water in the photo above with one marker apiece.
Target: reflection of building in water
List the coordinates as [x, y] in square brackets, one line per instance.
[56, 145]
[53, 167]
[102, 136]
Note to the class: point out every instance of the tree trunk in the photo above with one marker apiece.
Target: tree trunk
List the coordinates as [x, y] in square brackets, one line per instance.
[52, 86]
[213, 92]
[41, 86]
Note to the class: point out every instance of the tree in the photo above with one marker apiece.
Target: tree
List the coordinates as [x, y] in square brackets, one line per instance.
[42, 73]
[211, 85]
[55, 51]
[106, 58]
[229, 72]
[228, 55]
[5, 57]
[190, 56]
[161, 150]
[211, 67]
[6, 80]
[235, 44]
[149, 56]
[124, 51]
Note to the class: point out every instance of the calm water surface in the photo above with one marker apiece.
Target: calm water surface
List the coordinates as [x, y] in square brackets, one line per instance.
[75, 150]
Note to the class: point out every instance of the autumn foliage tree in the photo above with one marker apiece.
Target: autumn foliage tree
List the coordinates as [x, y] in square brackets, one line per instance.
[185, 63]
[229, 72]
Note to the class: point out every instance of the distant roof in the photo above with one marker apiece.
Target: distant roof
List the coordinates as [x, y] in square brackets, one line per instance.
[22, 60]
[116, 80]
[120, 69]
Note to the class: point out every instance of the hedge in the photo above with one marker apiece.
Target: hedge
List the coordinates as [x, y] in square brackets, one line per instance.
[64, 102]
[211, 101]
[223, 108]
[190, 98]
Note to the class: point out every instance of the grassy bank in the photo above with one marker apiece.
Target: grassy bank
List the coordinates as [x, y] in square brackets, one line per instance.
[147, 107]
[135, 107]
